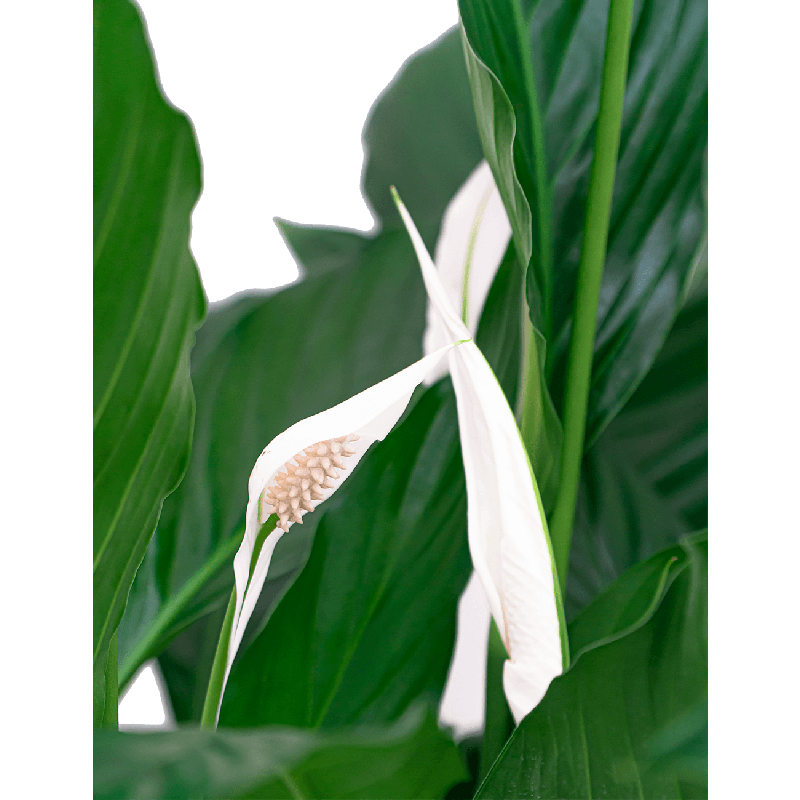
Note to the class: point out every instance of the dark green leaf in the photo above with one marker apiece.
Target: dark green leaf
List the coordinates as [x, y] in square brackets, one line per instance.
[658, 217]
[645, 481]
[410, 759]
[592, 735]
[631, 601]
[663, 430]
[680, 751]
[421, 138]
[147, 302]
[497, 127]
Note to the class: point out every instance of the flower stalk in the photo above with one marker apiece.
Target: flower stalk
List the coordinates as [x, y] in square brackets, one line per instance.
[590, 274]
[216, 681]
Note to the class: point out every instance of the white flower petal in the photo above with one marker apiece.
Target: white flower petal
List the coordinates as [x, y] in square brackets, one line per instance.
[507, 531]
[370, 415]
[473, 239]
[437, 295]
[507, 536]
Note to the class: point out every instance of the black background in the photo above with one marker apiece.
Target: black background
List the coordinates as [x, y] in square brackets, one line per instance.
[278, 99]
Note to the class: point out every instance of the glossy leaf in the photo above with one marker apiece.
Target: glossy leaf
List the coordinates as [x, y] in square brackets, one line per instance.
[421, 138]
[645, 481]
[658, 217]
[592, 734]
[497, 127]
[632, 599]
[147, 302]
[409, 759]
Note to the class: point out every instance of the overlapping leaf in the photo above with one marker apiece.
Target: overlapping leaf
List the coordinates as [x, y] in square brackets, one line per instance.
[645, 481]
[410, 759]
[147, 302]
[658, 218]
[593, 734]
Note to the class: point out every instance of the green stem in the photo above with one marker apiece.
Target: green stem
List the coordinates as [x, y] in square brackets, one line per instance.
[214, 691]
[217, 677]
[499, 722]
[166, 617]
[590, 274]
[111, 710]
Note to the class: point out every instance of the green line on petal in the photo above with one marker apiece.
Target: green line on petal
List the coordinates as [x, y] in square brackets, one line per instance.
[473, 235]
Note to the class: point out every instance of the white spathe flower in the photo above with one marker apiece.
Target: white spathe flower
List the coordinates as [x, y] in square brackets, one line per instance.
[301, 467]
[506, 526]
[472, 241]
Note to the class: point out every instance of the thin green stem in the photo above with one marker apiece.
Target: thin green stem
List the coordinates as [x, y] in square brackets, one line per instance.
[111, 710]
[217, 677]
[214, 691]
[590, 274]
[147, 647]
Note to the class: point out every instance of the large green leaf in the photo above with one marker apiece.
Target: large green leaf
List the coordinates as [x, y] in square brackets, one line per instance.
[409, 759]
[596, 732]
[658, 218]
[421, 138]
[645, 481]
[497, 127]
[147, 302]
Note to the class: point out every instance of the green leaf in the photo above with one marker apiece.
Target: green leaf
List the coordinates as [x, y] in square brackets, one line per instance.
[680, 750]
[507, 109]
[592, 735]
[409, 759]
[632, 599]
[147, 303]
[370, 623]
[497, 128]
[658, 217]
[421, 138]
[663, 430]
[645, 481]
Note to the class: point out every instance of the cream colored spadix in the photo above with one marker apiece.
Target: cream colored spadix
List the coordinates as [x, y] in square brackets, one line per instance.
[473, 238]
[506, 528]
[304, 465]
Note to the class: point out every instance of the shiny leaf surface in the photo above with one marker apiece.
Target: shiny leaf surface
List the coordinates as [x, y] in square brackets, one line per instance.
[147, 302]
[592, 734]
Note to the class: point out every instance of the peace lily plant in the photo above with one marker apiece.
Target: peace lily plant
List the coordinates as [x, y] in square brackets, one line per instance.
[322, 676]
[507, 530]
